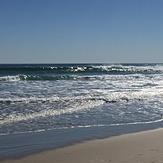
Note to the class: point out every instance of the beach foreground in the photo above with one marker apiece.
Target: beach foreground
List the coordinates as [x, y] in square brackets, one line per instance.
[142, 147]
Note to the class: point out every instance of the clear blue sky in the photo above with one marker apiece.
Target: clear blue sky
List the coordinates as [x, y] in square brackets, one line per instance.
[59, 31]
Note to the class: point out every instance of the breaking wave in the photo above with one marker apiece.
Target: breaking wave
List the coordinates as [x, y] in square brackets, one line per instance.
[108, 69]
[35, 77]
[79, 96]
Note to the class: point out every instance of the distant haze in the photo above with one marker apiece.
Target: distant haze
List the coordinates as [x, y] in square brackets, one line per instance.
[81, 31]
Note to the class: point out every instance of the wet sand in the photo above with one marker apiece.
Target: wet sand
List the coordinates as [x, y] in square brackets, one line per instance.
[141, 147]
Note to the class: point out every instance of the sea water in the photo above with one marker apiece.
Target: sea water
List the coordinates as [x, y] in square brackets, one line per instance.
[43, 97]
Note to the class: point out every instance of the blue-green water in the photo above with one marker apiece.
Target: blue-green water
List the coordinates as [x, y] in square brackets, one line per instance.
[52, 105]
[43, 97]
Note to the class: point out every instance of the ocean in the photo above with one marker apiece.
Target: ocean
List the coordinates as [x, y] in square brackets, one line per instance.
[75, 99]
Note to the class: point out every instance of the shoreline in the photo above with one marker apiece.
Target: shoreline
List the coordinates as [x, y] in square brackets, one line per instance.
[143, 147]
[22, 145]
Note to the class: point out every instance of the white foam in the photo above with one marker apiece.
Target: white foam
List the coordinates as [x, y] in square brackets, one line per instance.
[10, 78]
[78, 69]
[44, 99]
[132, 68]
[29, 99]
[51, 112]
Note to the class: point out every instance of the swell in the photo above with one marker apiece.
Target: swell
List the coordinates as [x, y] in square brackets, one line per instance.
[42, 77]
[76, 73]
[78, 69]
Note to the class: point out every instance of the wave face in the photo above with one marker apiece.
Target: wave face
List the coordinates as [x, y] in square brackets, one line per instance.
[73, 72]
[43, 97]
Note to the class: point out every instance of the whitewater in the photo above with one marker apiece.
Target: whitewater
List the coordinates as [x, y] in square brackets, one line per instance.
[42, 97]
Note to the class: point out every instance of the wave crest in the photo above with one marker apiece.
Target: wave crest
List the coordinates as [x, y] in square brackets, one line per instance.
[108, 69]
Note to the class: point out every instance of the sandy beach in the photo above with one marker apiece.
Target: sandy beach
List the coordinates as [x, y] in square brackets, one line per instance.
[141, 147]
[81, 81]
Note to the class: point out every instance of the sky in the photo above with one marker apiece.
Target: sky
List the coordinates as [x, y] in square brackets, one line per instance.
[81, 31]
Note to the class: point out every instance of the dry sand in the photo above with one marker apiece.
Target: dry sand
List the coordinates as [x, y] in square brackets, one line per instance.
[142, 147]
